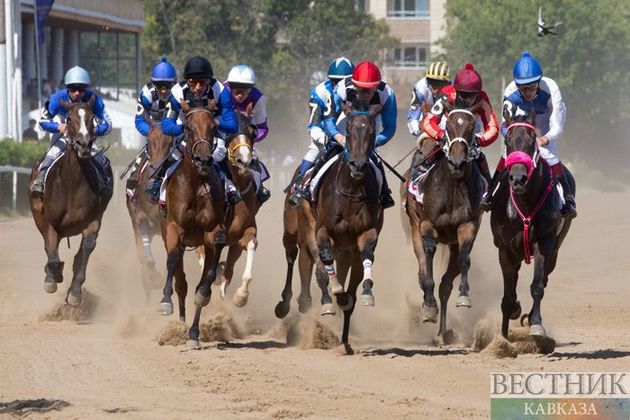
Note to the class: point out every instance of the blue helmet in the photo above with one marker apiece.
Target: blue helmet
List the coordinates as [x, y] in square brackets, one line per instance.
[339, 68]
[164, 72]
[527, 69]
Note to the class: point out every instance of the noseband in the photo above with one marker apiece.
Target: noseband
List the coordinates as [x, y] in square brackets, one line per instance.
[530, 162]
[199, 162]
[231, 151]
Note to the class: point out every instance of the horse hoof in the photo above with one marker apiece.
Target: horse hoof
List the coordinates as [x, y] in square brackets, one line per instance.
[240, 299]
[50, 286]
[73, 300]
[328, 309]
[348, 305]
[525, 320]
[201, 300]
[463, 301]
[165, 308]
[517, 312]
[281, 310]
[304, 305]
[537, 330]
[429, 313]
[366, 300]
[192, 344]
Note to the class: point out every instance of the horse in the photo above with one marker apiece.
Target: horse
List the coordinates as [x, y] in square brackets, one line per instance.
[241, 218]
[72, 203]
[300, 243]
[195, 215]
[349, 214]
[526, 221]
[450, 215]
[144, 212]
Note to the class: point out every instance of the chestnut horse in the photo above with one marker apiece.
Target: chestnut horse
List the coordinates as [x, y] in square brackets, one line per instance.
[450, 215]
[195, 201]
[144, 212]
[71, 204]
[526, 221]
[350, 216]
[299, 242]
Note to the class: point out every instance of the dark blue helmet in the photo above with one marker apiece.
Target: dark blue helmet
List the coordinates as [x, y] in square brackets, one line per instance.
[527, 69]
[164, 72]
[339, 68]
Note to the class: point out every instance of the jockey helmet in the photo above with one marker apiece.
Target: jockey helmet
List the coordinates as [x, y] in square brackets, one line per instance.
[468, 79]
[439, 70]
[366, 75]
[164, 72]
[76, 76]
[340, 68]
[526, 69]
[198, 68]
[242, 75]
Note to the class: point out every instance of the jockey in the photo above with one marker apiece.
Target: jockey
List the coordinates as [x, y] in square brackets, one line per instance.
[53, 119]
[199, 88]
[241, 85]
[365, 84]
[530, 90]
[426, 91]
[466, 91]
[152, 101]
[320, 100]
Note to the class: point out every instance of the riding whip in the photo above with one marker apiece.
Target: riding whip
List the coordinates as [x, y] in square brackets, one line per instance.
[390, 167]
[122, 175]
[413, 149]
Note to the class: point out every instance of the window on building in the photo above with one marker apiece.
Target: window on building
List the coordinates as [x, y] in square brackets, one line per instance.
[407, 8]
[410, 57]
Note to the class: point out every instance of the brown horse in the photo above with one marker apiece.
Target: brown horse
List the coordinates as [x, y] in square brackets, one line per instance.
[300, 243]
[526, 221]
[449, 215]
[350, 216]
[195, 215]
[71, 204]
[241, 218]
[144, 212]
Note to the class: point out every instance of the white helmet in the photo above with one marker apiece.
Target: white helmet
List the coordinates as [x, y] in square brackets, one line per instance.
[76, 76]
[242, 75]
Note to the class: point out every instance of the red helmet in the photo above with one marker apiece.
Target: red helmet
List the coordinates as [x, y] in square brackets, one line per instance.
[366, 75]
[467, 79]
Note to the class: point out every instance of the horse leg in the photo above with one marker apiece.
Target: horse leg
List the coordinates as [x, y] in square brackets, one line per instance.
[249, 243]
[322, 282]
[305, 267]
[290, 252]
[446, 286]
[366, 243]
[509, 305]
[54, 266]
[465, 238]
[174, 256]
[344, 261]
[537, 288]
[356, 275]
[234, 253]
[142, 233]
[181, 288]
[429, 246]
[327, 256]
[79, 266]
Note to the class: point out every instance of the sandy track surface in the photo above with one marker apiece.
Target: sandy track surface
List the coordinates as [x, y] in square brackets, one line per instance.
[110, 363]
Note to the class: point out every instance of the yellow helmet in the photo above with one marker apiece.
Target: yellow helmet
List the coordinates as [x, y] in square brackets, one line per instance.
[439, 70]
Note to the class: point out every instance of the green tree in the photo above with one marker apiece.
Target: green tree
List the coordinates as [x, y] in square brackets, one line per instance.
[588, 58]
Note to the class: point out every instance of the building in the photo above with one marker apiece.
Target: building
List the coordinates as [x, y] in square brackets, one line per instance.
[101, 36]
[418, 24]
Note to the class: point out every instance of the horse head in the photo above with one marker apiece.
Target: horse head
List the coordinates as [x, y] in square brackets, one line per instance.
[158, 145]
[200, 127]
[80, 126]
[460, 126]
[521, 147]
[240, 145]
[361, 135]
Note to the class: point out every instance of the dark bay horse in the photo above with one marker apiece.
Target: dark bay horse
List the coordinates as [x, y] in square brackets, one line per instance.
[449, 215]
[195, 215]
[144, 212]
[300, 243]
[241, 218]
[71, 204]
[350, 216]
[526, 221]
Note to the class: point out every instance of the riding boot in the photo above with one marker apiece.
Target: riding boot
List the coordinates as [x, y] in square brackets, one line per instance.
[387, 201]
[132, 181]
[232, 193]
[568, 209]
[153, 190]
[486, 202]
[263, 194]
[482, 164]
[332, 149]
[37, 190]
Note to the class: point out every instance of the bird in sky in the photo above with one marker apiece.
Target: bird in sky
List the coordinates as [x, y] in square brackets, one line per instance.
[544, 30]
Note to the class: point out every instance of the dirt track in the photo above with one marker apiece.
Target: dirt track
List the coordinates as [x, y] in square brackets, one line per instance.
[112, 363]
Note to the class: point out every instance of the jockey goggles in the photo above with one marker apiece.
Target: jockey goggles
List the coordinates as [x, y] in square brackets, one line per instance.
[467, 95]
[528, 87]
[77, 88]
[163, 84]
[195, 82]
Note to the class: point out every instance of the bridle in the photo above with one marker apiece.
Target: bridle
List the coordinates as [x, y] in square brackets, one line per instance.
[450, 142]
[201, 162]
